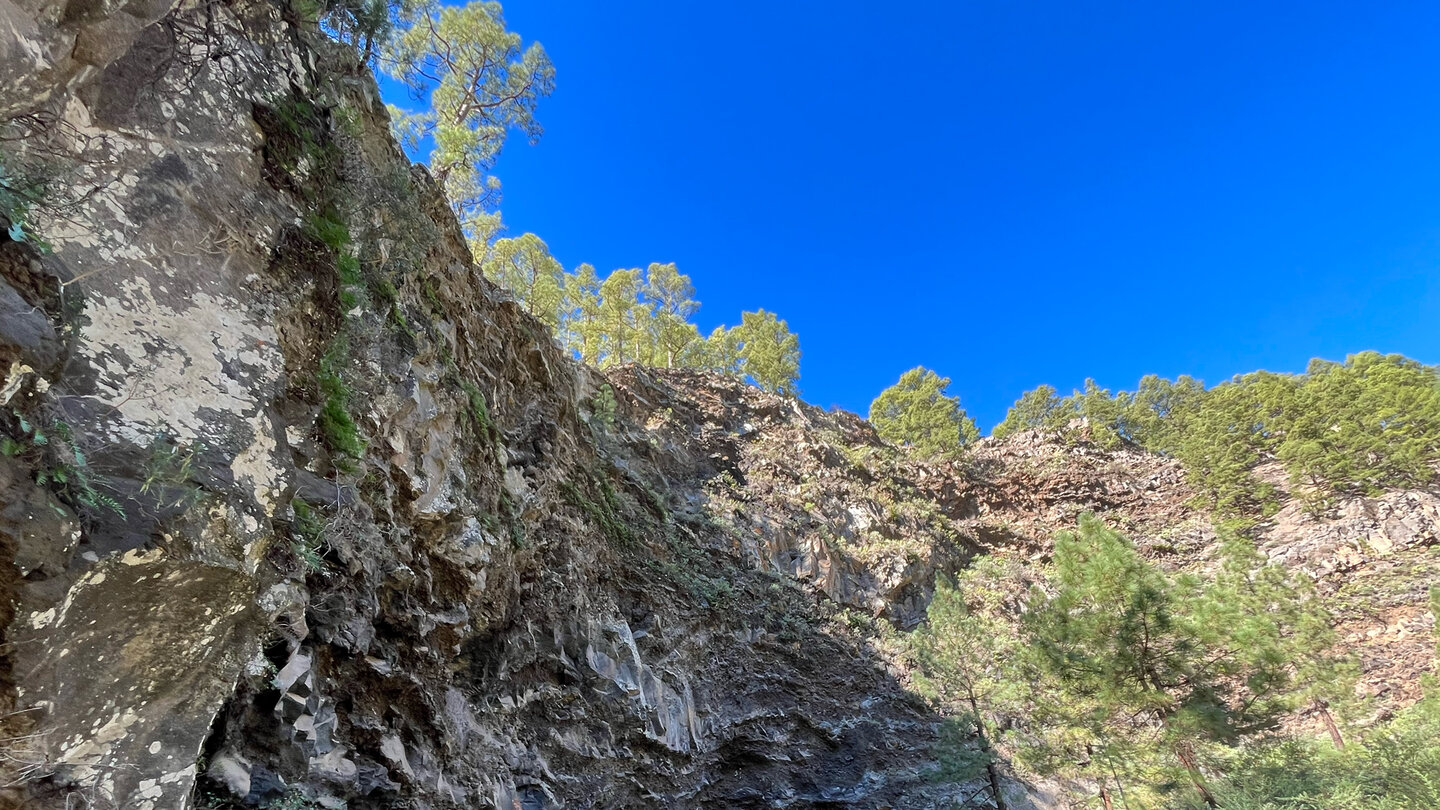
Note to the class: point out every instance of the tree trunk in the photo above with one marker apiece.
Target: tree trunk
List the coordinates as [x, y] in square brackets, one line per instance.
[1187, 758]
[990, 769]
[1105, 797]
[1120, 786]
[1324, 709]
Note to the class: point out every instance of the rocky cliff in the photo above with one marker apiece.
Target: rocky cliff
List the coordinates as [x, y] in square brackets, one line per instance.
[299, 510]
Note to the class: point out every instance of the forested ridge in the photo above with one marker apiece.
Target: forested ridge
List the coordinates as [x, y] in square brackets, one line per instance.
[1174, 689]
[641, 316]
[1364, 425]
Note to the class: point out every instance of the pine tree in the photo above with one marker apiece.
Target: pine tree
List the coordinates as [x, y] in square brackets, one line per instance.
[644, 343]
[1277, 636]
[525, 268]
[672, 299]
[1362, 426]
[719, 352]
[1431, 680]
[769, 352]
[619, 331]
[363, 24]
[480, 84]
[1040, 408]
[1147, 673]
[1103, 413]
[916, 411]
[582, 313]
[1238, 424]
[1435, 620]
[968, 653]
[1158, 414]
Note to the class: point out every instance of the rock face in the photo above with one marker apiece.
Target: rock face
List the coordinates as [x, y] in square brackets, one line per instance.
[297, 508]
[300, 509]
[1374, 560]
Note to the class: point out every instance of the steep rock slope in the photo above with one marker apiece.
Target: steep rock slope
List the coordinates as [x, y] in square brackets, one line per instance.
[817, 497]
[301, 510]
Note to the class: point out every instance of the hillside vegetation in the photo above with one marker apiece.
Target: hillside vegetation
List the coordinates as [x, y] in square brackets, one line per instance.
[1106, 669]
[1360, 426]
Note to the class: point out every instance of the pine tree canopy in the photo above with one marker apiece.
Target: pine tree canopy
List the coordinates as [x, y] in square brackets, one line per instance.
[917, 412]
[525, 268]
[480, 82]
[769, 352]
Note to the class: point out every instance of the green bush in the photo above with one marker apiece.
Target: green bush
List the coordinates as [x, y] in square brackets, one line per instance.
[18, 196]
[58, 461]
[602, 406]
[1395, 767]
[338, 429]
[307, 534]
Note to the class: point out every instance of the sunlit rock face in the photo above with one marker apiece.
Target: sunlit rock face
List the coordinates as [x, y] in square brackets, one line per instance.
[276, 532]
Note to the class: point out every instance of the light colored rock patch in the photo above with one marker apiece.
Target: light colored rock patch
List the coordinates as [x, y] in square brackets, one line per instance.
[131, 670]
[255, 465]
[1354, 533]
[179, 359]
[612, 654]
[13, 380]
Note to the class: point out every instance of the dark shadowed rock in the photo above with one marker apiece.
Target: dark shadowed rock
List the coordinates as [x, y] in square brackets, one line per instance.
[25, 331]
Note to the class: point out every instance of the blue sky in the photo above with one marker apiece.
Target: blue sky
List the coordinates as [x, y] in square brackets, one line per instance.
[1011, 193]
